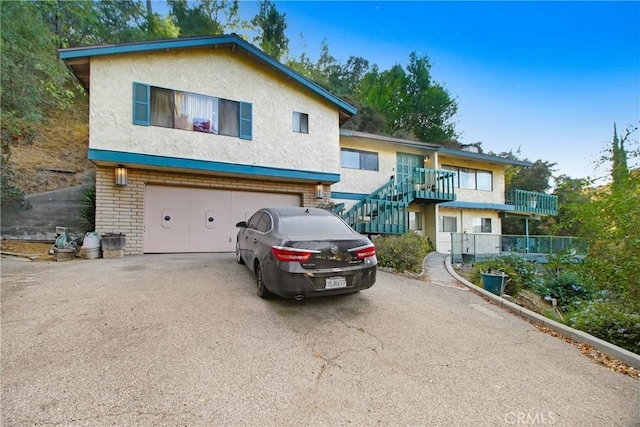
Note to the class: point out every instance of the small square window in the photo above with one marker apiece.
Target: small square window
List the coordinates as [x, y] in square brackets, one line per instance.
[482, 225]
[300, 122]
[449, 224]
[415, 221]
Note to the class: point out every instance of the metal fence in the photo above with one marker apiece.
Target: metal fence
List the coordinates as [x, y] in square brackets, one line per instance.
[468, 247]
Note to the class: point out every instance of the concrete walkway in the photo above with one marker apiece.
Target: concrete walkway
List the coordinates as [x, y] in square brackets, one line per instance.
[435, 271]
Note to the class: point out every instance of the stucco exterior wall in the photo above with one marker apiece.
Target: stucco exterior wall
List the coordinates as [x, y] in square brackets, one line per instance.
[480, 196]
[365, 182]
[221, 74]
[465, 219]
[121, 209]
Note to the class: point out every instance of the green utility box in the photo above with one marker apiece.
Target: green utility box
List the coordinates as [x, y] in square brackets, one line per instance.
[494, 282]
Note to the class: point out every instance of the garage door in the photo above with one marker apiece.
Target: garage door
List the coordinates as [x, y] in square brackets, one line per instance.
[180, 219]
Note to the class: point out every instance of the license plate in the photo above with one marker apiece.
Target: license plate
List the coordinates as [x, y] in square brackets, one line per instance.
[335, 282]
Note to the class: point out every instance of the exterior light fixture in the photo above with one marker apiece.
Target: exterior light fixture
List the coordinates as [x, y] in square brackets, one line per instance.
[120, 176]
[319, 191]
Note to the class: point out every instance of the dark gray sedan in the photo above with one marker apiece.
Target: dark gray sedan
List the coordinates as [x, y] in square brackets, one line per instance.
[303, 252]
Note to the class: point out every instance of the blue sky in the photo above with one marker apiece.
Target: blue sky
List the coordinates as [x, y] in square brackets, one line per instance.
[547, 78]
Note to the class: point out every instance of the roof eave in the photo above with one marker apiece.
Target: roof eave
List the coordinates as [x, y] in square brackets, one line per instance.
[77, 53]
[484, 157]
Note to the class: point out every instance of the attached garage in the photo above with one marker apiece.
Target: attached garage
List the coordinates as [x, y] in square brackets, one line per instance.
[185, 219]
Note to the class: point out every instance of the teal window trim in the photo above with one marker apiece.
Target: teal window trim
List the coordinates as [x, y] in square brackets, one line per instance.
[141, 105]
[142, 110]
[246, 119]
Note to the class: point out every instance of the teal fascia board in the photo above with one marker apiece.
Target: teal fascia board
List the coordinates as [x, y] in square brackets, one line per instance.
[84, 52]
[476, 205]
[347, 196]
[133, 159]
[434, 147]
[486, 157]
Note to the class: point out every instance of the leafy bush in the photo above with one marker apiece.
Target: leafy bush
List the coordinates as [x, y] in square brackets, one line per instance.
[403, 253]
[88, 210]
[609, 321]
[567, 288]
[522, 274]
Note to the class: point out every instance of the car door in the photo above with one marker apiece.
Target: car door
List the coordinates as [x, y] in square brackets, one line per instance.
[248, 239]
[262, 239]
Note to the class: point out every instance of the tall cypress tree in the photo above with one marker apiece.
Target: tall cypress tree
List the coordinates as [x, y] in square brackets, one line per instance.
[619, 169]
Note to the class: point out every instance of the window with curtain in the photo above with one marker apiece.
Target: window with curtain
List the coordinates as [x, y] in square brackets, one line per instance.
[229, 118]
[161, 107]
[195, 112]
[155, 106]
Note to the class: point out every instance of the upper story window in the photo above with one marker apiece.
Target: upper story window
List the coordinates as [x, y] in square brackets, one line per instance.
[155, 106]
[356, 159]
[473, 179]
[300, 122]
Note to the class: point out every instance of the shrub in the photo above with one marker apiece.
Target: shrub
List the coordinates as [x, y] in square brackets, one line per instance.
[609, 321]
[522, 274]
[404, 252]
[88, 210]
[567, 288]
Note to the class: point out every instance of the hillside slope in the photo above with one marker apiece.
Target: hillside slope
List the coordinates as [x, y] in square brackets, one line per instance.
[58, 157]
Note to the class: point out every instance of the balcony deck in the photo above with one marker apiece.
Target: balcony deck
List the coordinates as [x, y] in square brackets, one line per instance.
[531, 202]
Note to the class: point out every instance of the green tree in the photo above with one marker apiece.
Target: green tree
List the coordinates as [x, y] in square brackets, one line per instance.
[272, 24]
[430, 106]
[619, 169]
[71, 23]
[572, 195]
[367, 120]
[386, 92]
[350, 75]
[32, 77]
[609, 223]
[82, 23]
[202, 18]
[413, 104]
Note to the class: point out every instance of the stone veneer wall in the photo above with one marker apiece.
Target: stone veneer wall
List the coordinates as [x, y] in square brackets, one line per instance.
[121, 209]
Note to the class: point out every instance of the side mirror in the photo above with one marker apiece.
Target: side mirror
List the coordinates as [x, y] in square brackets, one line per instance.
[242, 224]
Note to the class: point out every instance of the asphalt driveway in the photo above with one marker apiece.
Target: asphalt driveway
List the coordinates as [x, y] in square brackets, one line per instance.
[184, 340]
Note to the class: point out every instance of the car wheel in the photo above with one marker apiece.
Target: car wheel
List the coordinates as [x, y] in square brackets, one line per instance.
[239, 259]
[261, 289]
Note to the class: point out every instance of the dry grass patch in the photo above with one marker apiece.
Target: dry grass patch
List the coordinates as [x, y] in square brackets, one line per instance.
[58, 156]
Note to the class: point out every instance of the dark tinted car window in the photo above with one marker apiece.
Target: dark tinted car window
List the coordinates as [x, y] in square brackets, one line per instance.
[310, 224]
[255, 220]
[265, 223]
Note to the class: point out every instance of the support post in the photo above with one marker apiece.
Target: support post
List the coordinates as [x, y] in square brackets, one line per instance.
[526, 235]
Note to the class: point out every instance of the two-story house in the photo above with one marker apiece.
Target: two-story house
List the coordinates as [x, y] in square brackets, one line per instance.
[190, 136]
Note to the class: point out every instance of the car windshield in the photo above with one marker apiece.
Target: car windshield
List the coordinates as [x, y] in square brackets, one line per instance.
[313, 225]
